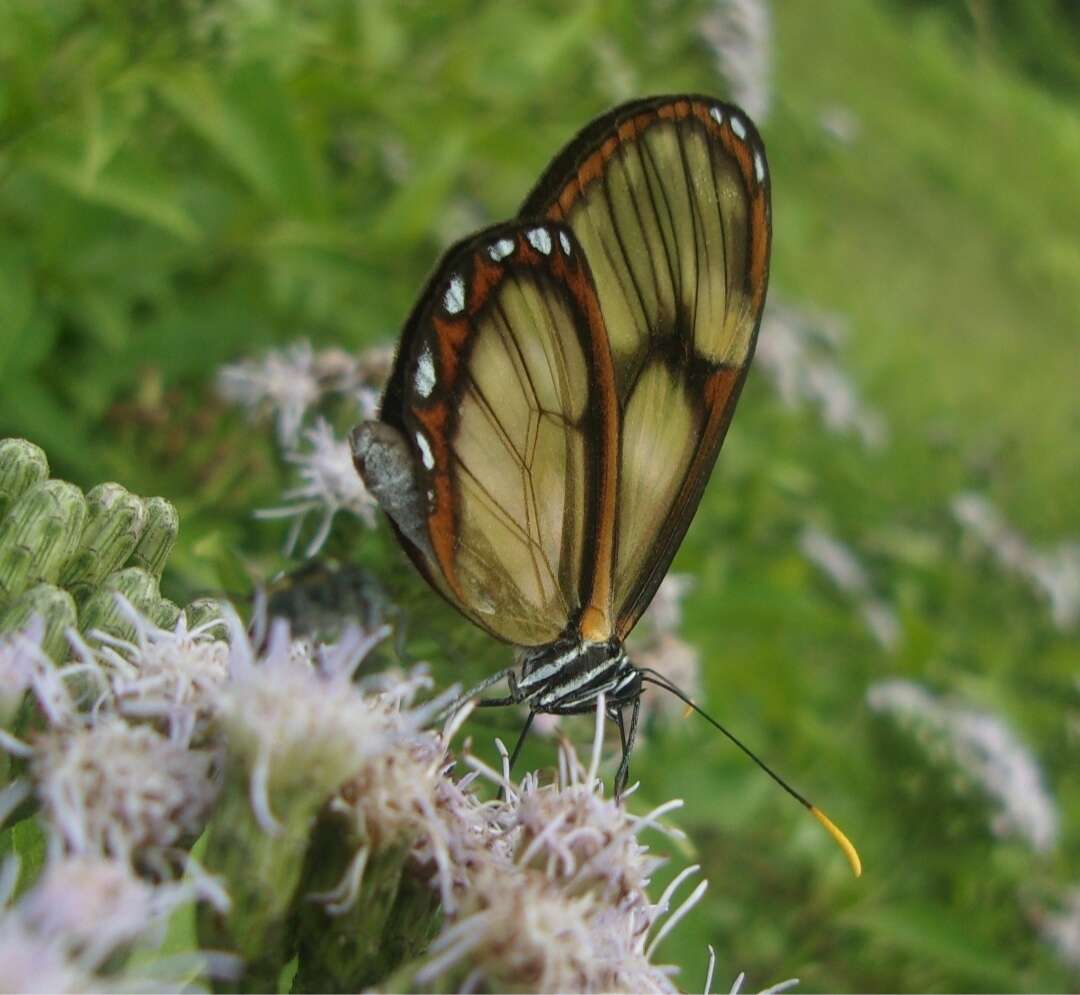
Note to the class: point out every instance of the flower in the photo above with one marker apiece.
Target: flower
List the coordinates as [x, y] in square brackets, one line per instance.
[293, 715]
[172, 675]
[109, 788]
[794, 351]
[1061, 929]
[983, 748]
[840, 565]
[282, 380]
[20, 655]
[330, 484]
[740, 35]
[293, 380]
[82, 912]
[561, 904]
[1054, 573]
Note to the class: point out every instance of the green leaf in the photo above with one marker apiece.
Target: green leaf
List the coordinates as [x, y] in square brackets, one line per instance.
[929, 934]
[249, 124]
[125, 185]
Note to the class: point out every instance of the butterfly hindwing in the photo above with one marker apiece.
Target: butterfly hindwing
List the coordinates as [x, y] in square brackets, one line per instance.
[503, 391]
[670, 200]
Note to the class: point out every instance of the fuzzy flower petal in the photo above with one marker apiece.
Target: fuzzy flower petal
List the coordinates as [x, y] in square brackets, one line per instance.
[329, 484]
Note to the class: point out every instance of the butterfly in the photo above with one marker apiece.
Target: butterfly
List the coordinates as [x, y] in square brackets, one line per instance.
[561, 391]
[563, 386]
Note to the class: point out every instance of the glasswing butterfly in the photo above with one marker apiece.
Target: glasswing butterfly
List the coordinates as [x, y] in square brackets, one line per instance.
[563, 386]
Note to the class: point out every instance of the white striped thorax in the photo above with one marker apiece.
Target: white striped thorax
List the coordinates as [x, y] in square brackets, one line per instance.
[570, 674]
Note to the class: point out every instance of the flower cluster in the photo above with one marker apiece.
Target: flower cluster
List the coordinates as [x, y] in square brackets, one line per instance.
[557, 899]
[982, 748]
[257, 741]
[739, 32]
[1053, 573]
[796, 350]
[837, 561]
[292, 383]
[87, 911]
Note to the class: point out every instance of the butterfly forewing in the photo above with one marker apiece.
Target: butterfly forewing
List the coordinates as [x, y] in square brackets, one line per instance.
[669, 198]
[504, 390]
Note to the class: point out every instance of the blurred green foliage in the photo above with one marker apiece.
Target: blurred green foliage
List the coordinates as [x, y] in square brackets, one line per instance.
[186, 183]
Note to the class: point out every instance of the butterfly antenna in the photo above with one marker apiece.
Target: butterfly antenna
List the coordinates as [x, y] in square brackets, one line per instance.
[653, 677]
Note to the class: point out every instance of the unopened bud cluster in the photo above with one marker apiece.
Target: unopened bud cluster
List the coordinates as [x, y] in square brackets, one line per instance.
[65, 555]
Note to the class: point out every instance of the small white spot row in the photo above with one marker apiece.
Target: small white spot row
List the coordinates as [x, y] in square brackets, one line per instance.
[738, 126]
[539, 239]
[454, 298]
[564, 242]
[501, 249]
[425, 451]
[424, 381]
[716, 114]
[759, 167]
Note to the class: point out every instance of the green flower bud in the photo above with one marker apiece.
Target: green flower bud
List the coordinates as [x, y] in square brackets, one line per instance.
[102, 611]
[55, 607]
[39, 535]
[22, 465]
[158, 537]
[165, 614]
[203, 610]
[115, 520]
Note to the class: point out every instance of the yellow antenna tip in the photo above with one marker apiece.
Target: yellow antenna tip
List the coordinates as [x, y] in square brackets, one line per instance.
[841, 840]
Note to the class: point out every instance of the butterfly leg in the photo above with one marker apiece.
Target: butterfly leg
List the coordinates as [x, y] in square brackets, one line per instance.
[483, 686]
[623, 773]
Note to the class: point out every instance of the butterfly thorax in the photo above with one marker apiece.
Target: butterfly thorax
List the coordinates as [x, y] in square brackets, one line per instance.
[567, 676]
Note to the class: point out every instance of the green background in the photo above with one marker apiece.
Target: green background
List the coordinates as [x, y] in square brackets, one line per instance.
[186, 184]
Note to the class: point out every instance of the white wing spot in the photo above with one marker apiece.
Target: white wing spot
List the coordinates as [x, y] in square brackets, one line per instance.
[540, 239]
[454, 298]
[564, 242]
[501, 249]
[759, 167]
[738, 126]
[424, 381]
[717, 115]
[425, 451]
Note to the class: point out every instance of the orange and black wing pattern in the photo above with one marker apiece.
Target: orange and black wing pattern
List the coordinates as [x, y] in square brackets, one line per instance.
[503, 391]
[669, 198]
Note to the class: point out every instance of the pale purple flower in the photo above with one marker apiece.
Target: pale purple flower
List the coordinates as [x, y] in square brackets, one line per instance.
[283, 381]
[561, 905]
[739, 32]
[296, 717]
[174, 676]
[838, 562]
[20, 658]
[1054, 573]
[795, 349]
[329, 484]
[82, 912]
[110, 788]
[983, 748]
[1061, 928]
